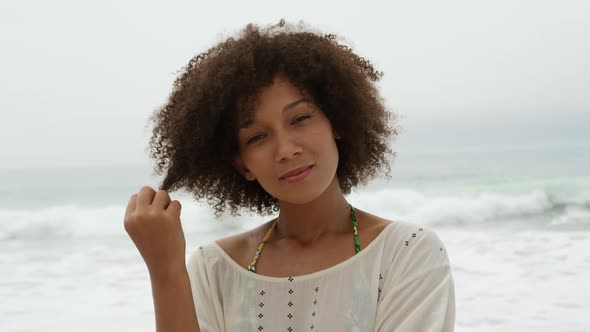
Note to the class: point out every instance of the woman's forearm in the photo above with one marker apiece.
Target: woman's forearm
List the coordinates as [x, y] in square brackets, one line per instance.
[173, 303]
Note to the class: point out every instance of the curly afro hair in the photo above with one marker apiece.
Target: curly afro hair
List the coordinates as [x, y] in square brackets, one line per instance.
[195, 133]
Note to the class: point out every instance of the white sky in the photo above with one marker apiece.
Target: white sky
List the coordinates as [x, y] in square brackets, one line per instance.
[78, 80]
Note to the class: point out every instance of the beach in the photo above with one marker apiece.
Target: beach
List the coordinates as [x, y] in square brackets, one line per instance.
[519, 245]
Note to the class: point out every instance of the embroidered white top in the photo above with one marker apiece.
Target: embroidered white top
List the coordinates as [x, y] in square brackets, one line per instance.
[401, 281]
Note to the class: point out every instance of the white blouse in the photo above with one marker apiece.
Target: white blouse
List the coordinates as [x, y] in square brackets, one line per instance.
[401, 281]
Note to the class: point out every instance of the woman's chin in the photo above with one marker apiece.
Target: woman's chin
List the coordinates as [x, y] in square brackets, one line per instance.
[299, 195]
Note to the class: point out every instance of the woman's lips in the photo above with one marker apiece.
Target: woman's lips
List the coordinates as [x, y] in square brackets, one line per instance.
[299, 176]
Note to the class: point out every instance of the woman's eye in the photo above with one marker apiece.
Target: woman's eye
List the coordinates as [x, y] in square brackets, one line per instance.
[301, 118]
[256, 138]
[253, 139]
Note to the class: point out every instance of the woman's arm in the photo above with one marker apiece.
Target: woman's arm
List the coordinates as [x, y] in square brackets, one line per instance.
[152, 221]
[173, 303]
[203, 282]
[419, 292]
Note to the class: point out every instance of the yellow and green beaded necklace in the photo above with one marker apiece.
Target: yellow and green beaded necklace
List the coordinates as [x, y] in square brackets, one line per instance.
[357, 243]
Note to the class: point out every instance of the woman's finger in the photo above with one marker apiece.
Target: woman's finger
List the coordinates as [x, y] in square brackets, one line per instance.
[145, 197]
[162, 199]
[174, 208]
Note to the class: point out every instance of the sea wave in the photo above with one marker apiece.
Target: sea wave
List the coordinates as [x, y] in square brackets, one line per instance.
[540, 208]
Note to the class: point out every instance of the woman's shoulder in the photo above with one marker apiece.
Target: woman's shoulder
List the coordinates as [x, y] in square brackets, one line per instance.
[412, 237]
[402, 239]
[412, 248]
[370, 225]
[396, 232]
[241, 247]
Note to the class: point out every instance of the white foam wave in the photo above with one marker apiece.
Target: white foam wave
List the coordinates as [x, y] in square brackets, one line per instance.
[72, 221]
[485, 207]
[572, 216]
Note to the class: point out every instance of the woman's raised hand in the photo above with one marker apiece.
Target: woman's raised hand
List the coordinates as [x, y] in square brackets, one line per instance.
[152, 221]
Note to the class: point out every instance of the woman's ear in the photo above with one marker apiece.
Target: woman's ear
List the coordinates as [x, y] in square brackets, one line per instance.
[245, 172]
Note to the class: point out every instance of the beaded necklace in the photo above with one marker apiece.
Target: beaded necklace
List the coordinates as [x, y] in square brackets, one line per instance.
[357, 243]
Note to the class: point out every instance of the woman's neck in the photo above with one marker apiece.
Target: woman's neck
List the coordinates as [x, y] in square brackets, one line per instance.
[306, 223]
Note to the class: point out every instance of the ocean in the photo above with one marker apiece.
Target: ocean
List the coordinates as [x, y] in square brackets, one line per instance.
[515, 222]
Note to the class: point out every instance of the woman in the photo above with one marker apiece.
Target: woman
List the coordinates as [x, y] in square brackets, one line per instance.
[288, 121]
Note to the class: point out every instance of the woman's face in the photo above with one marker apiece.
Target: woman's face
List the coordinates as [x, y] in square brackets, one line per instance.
[287, 132]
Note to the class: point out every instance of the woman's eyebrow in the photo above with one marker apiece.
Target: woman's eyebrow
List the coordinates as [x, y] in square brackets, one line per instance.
[248, 122]
[295, 103]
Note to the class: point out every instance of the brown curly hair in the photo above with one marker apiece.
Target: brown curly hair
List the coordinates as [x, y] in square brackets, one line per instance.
[195, 134]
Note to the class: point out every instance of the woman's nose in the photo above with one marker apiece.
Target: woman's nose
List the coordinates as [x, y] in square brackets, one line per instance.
[287, 147]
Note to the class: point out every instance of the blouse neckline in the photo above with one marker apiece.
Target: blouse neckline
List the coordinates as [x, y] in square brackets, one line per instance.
[348, 261]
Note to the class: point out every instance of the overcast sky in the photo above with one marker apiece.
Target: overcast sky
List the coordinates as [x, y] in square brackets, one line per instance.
[78, 79]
